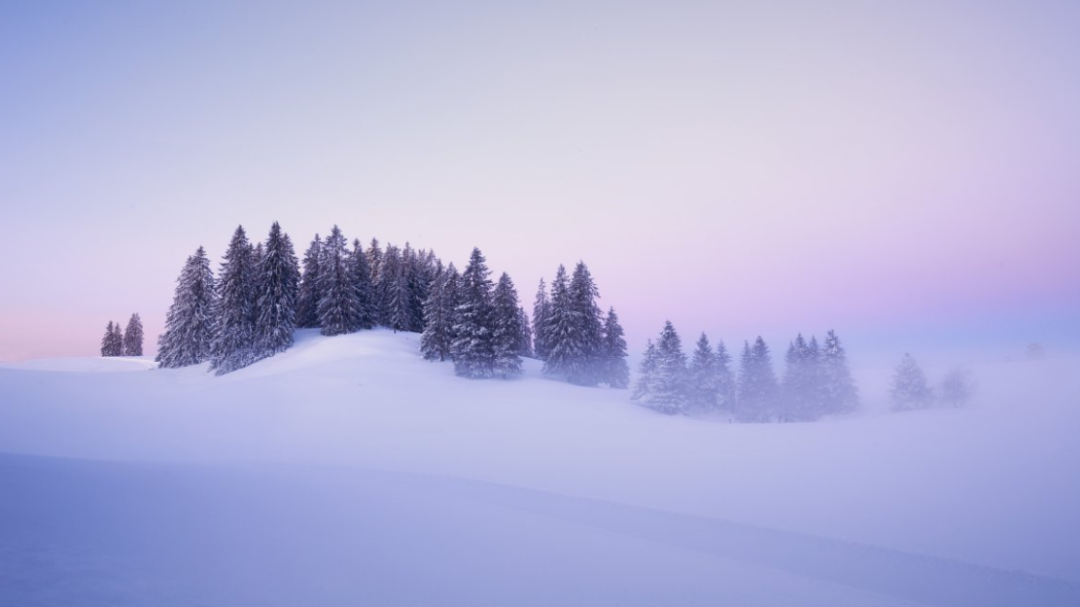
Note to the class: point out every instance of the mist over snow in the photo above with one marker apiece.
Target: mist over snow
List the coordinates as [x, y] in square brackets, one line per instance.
[348, 470]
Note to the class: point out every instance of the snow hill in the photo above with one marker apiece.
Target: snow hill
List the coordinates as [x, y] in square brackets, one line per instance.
[348, 471]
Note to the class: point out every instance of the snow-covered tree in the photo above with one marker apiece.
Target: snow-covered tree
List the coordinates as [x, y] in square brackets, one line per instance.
[419, 274]
[704, 378]
[589, 327]
[108, 341]
[800, 386]
[276, 292]
[647, 372]
[540, 322]
[439, 317]
[956, 387]
[338, 309]
[133, 336]
[374, 259]
[525, 340]
[668, 393]
[614, 370]
[473, 349]
[909, 387]
[232, 346]
[565, 352]
[725, 379]
[506, 328]
[838, 392]
[189, 323]
[757, 383]
[307, 301]
[360, 277]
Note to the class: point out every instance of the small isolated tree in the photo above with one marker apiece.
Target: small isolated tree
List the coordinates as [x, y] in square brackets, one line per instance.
[189, 323]
[506, 328]
[909, 388]
[956, 387]
[614, 370]
[133, 336]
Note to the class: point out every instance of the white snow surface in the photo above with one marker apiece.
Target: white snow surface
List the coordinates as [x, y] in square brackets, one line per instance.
[349, 471]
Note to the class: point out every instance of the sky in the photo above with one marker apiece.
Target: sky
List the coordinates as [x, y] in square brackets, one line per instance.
[904, 173]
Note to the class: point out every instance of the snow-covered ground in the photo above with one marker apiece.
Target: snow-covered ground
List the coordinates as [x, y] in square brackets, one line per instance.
[348, 471]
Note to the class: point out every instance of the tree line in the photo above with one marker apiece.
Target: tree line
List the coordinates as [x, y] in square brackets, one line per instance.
[817, 380]
[128, 342]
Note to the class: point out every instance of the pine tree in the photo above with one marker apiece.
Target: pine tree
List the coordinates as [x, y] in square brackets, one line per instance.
[232, 345]
[647, 371]
[837, 389]
[704, 380]
[565, 355]
[669, 393]
[189, 323]
[540, 320]
[525, 340]
[909, 387]
[133, 337]
[757, 383]
[418, 278]
[360, 277]
[725, 380]
[374, 259]
[615, 372]
[798, 386]
[473, 349]
[588, 331]
[438, 318]
[506, 328]
[307, 301]
[276, 292]
[338, 306]
[107, 341]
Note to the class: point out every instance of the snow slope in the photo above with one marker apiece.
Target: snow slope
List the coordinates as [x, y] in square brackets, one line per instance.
[352, 471]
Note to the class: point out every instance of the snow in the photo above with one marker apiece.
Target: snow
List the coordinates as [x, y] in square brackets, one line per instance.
[350, 471]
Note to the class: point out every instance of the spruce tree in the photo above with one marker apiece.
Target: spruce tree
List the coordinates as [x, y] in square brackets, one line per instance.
[133, 336]
[473, 349]
[837, 389]
[374, 259]
[107, 341]
[540, 319]
[725, 380]
[798, 386]
[232, 345]
[418, 277]
[757, 383]
[360, 277]
[276, 292]
[338, 306]
[506, 328]
[189, 323]
[588, 332]
[525, 340]
[615, 372]
[909, 389]
[646, 381]
[704, 378]
[438, 319]
[565, 356]
[307, 301]
[669, 389]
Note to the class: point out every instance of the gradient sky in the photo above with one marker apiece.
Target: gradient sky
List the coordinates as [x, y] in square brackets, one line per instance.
[907, 173]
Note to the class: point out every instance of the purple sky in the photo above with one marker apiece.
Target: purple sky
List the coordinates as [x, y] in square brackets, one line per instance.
[908, 174]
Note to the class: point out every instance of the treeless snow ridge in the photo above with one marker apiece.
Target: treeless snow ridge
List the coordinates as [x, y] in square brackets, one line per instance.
[349, 471]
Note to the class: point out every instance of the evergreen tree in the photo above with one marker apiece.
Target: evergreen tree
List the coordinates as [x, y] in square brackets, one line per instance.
[668, 390]
[646, 381]
[133, 337]
[588, 332]
[473, 349]
[189, 323]
[909, 387]
[307, 301]
[439, 318]
[725, 380]
[360, 277]
[276, 292]
[374, 259]
[338, 308]
[107, 341]
[117, 342]
[525, 340]
[837, 389]
[418, 278]
[506, 328]
[757, 383]
[704, 384]
[799, 383]
[540, 320]
[565, 355]
[232, 345]
[615, 372]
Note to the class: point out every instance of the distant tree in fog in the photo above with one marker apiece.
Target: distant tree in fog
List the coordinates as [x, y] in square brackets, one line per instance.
[909, 389]
[663, 383]
[614, 371]
[957, 387]
[1035, 351]
[133, 337]
[757, 386]
[839, 394]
